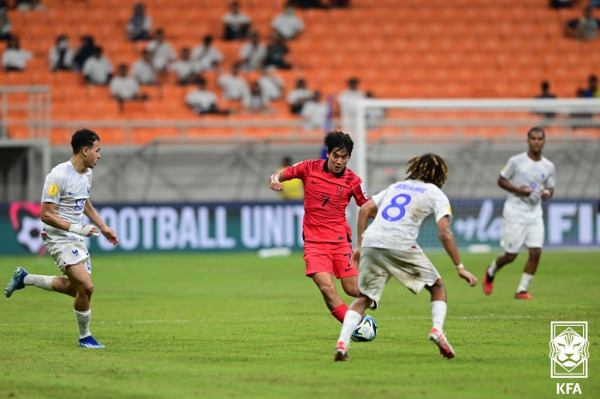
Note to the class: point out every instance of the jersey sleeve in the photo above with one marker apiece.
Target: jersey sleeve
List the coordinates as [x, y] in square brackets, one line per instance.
[442, 207]
[297, 171]
[508, 169]
[360, 193]
[52, 188]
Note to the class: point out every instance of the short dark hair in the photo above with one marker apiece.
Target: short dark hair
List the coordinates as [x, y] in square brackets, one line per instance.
[83, 138]
[340, 140]
[536, 129]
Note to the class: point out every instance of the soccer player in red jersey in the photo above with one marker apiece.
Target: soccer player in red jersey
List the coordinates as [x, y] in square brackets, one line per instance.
[328, 187]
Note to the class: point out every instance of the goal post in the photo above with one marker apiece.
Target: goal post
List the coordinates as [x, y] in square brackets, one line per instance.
[476, 137]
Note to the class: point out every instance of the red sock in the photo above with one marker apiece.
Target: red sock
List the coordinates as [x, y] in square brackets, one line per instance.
[340, 312]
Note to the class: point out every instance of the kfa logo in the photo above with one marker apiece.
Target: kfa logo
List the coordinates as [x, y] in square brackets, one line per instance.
[568, 350]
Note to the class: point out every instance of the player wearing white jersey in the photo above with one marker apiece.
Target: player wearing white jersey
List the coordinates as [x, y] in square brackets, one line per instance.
[529, 179]
[65, 199]
[388, 247]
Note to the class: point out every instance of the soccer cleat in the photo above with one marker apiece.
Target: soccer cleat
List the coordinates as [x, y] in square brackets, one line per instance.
[438, 338]
[90, 342]
[523, 295]
[341, 352]
[373, 305]
[16, 282]
[488, 282]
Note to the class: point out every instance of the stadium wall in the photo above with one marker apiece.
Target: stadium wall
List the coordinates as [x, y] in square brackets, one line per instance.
[252, 226]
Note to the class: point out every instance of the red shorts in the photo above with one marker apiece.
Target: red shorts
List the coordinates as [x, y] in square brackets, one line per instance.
[333, 258]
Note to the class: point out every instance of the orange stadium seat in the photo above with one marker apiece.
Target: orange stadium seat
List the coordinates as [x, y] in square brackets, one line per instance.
[434, 48]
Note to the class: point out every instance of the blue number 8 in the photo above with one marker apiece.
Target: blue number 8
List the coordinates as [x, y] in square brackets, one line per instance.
[395, 204]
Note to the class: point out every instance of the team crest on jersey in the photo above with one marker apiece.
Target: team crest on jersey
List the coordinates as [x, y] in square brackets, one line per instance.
[25, 220]
[340, 191]
[53, 190]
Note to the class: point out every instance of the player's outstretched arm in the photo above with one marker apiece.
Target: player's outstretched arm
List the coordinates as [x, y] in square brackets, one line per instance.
[447, 239]
[106, 231]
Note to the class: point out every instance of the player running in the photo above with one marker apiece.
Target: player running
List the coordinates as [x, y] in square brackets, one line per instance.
[388, 247]
[328, 187]
[65, 200]
[529, 179]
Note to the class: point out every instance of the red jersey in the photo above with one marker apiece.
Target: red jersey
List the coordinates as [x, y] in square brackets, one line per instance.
[326, 197]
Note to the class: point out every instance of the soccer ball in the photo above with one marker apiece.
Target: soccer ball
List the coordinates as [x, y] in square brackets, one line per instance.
[366, 330]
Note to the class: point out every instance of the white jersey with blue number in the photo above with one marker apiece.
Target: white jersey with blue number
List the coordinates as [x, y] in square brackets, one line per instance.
[401, 210]
[524, 171]
[69, 190]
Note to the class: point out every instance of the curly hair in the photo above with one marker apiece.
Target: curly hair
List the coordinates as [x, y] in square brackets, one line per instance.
[83, 138]
[340, 140]
[430, 168]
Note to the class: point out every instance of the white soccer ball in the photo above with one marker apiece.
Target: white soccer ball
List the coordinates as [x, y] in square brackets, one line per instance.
[366, 330]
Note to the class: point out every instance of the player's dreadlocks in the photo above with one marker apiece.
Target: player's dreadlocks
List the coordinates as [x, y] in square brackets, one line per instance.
[338, 139]
[430, 168]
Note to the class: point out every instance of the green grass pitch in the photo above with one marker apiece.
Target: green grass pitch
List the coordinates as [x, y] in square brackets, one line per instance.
[237, 326]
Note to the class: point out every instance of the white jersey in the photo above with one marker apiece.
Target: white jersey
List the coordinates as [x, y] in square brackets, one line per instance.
[401, 211]
[524, 171]
[69, 190]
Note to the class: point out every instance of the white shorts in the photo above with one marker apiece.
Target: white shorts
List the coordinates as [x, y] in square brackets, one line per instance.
[410, 266]
[515, 235]
[67, 252]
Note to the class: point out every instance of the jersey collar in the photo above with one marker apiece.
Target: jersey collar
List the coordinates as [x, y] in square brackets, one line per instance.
[326, 169]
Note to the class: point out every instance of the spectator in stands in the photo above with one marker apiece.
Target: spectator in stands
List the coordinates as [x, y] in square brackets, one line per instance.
[271, 83]
[206, 56]
[236, 25]
[592, 87]
[253, 53]
[204, 101]
[585, 27]
[562, 3]
[143, 69]
[305, 4]
[98, 69]
[14, 58]
[162, 51]
[30, 5]
[546, 94]
[184, 68]
[298, 96]
[580, 118]
[338, 3]
[256, 101]
[277, 50]
[5, 26]
[288, 24]
[233, 85]
[60, 55]
[84, 51]
[314, 112]
[346, 97]
[125, 88]
[140, 23]
[374, 115]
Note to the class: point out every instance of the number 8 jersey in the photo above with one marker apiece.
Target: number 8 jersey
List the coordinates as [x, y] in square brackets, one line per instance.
[401, 210]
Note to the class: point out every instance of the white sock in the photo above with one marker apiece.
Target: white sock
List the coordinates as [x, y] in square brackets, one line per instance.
[438, 314]
[492, 269]
[351, 321]
[44, 282]
[525, 281]
[83, 320]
